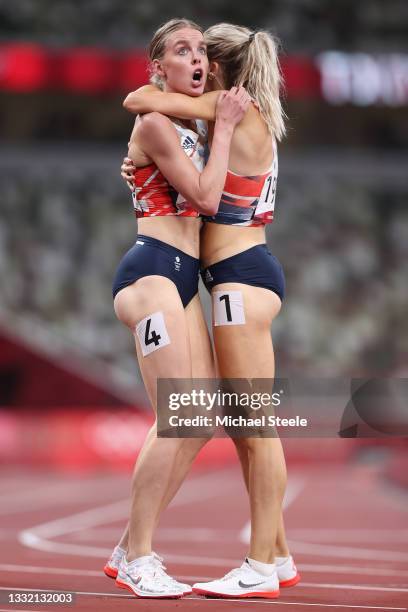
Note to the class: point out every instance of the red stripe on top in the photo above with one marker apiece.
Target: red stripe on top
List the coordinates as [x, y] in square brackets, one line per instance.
[156, 197]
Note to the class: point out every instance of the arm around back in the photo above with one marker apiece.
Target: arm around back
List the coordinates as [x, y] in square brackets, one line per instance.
[158, 139]
[148, 99]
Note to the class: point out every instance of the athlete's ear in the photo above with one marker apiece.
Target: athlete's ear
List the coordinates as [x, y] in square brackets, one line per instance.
[158, 69]
[213, 70]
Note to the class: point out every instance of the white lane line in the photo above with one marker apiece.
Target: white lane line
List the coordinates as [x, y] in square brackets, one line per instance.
[82, 520]
[351, 535]
[353, 569]
[37, 569]
[298, 603]
[40, 536]
[293, 490]
[353, 587]
[347, 552]
[215, 600]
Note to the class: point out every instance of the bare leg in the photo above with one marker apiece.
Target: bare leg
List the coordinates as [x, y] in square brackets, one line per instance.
[281, 548]
[153, 470]
[201, 367]
[262, 458]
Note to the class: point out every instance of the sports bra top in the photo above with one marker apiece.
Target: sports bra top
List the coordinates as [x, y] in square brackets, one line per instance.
[153, 196]
[248, 201]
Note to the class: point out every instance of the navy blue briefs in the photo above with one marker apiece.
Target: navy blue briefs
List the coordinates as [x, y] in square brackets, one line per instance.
[255, 266]
[149, 257]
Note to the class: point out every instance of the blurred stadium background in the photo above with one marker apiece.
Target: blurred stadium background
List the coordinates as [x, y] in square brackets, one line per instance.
[69, 384]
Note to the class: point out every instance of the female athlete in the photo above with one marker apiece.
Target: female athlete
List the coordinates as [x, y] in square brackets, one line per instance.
[245, 279]
[155, 287]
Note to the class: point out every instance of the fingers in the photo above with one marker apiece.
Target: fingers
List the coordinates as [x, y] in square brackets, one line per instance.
[233, 105]
[238, 91]
[129, 181]
[127, 165]
[126, 172]
[243, 96]
[240, 95]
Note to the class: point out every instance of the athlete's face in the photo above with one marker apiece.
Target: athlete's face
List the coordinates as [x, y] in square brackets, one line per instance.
[184, 66]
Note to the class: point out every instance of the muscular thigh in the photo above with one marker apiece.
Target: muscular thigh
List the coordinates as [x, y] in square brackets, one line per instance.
[244, 349]
[152, 309]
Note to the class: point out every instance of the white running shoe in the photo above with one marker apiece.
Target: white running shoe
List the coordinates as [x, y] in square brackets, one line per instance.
[287, 573]
[147, 578]
[112, 565]
[243, 581]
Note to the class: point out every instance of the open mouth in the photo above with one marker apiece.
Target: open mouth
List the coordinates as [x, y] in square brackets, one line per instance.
[197, 75]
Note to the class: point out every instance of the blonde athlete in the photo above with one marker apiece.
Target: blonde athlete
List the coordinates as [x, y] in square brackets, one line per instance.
[155, 287]
[245, 279]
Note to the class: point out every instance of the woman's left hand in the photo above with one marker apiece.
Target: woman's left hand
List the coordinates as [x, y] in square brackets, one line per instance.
[126, 172]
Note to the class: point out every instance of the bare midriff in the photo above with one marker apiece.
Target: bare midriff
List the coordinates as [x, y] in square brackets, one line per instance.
[180, 232]
[221, 241]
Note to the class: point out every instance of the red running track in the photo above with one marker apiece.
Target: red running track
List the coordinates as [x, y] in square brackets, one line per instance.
[347, 528]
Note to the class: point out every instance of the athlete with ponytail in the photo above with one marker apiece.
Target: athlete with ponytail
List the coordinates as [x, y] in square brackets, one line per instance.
[246, 281]
[156, 285]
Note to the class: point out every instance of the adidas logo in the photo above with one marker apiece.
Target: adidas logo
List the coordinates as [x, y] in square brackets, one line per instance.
[187, 143]
[177, 263]
[208, 276]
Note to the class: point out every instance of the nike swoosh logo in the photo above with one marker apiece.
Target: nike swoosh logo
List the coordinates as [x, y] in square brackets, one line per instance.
[247, 586]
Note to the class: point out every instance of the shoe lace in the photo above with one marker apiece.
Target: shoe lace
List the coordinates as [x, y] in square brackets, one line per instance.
[160, 570]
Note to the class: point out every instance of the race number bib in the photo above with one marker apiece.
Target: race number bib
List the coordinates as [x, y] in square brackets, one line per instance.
[228, 308]
[266, 201]
[152, 333]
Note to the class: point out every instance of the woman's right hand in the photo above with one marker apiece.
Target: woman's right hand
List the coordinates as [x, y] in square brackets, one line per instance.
[232, 106]
[126, 171]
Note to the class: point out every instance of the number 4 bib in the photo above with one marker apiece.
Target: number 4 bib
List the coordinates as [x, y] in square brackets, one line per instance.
[152, 333]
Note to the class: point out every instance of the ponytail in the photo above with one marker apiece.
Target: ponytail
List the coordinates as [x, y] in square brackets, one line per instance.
[250, 59]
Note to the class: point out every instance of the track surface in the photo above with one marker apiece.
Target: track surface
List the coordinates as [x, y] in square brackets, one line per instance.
[347, 528]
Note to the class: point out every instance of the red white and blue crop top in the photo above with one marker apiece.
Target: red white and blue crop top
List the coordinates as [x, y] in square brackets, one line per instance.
[153, 196]
[248, 201]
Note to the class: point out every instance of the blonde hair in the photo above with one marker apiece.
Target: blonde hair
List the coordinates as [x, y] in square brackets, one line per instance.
[250, 59]
[157, 46]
